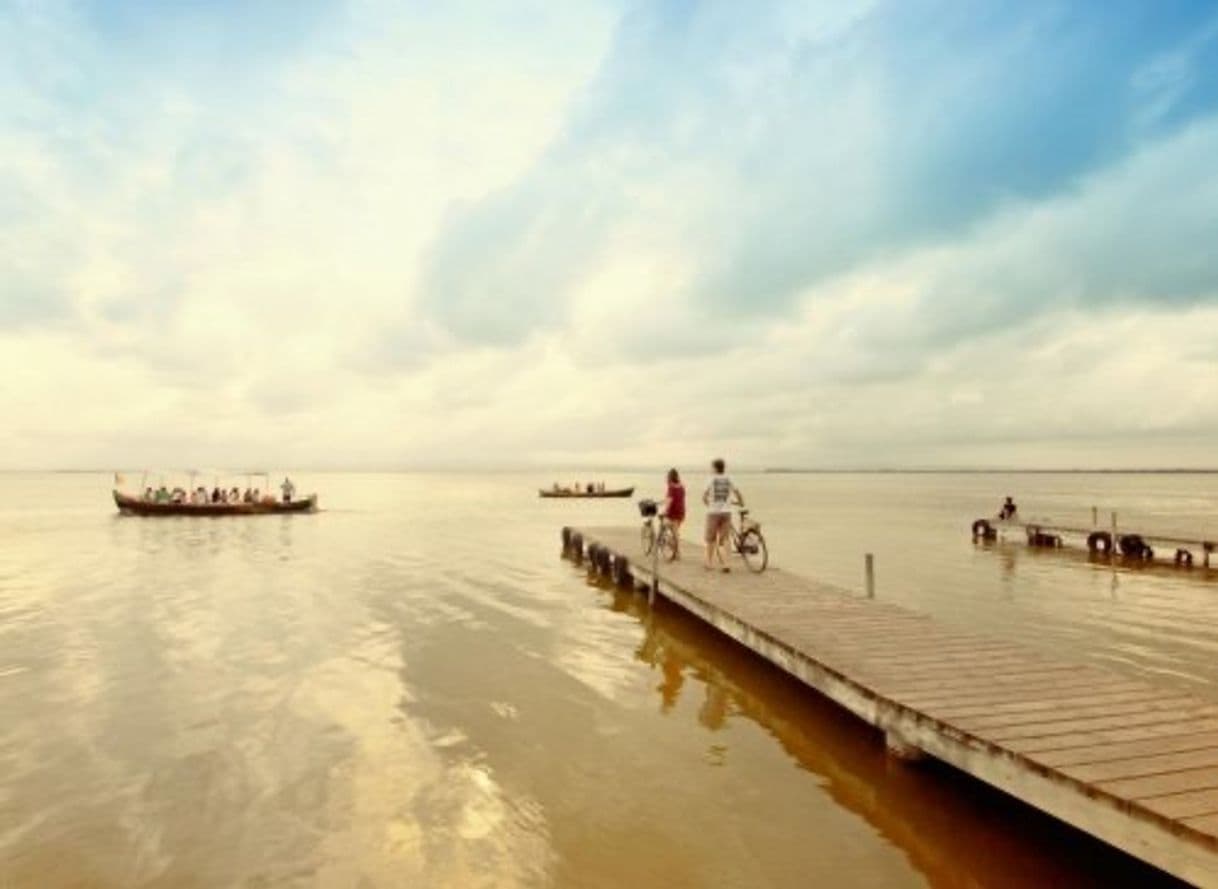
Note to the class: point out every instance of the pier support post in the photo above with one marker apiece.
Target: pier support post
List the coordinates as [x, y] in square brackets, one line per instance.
[869, 574]
[900, 747]
[1095, 517]
[655, 575]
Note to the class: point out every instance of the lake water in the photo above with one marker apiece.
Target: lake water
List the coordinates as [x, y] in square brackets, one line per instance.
[411, 688]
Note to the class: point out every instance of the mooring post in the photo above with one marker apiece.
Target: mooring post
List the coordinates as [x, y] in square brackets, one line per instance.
[869, 574]
[1095, 517]
[655, 572]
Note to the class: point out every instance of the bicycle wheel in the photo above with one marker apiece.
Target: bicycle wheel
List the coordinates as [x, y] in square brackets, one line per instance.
[753, 551]
[668, 543]
[649, 538]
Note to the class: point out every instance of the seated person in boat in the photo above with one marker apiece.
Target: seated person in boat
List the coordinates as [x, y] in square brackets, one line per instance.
[162, 494]
[215, 494]
[149, 495]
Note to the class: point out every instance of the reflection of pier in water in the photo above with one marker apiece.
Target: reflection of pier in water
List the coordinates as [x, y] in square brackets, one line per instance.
[954, 830]
[1131, 763]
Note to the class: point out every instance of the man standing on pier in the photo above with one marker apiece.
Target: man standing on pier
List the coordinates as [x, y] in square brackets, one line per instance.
[719, 496]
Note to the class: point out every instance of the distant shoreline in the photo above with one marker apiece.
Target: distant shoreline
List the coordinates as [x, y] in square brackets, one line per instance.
[1143, 471]
[632, 470]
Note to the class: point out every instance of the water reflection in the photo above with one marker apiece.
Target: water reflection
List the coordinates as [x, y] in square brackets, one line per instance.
[954, 830]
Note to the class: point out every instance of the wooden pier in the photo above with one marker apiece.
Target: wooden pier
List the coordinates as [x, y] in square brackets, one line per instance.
[1130, 762]
[1113, 542]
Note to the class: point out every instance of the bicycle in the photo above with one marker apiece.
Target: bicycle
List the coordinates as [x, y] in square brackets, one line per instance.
[747, 540]
[666, 538]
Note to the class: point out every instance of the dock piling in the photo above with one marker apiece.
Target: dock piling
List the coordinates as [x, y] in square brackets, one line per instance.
[869, 574]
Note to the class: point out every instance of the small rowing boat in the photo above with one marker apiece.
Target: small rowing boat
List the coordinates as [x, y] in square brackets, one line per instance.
[563, 493]
[128, 505]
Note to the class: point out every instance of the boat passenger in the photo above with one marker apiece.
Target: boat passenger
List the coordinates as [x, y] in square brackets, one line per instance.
[162, 494]
[674, 508]
[215, 494]
[1008, 510]
[256, 498]
[288, 489]
[148, 495]
[234, 496]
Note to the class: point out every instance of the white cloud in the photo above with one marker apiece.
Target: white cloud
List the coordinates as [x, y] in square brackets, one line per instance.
[239, 274]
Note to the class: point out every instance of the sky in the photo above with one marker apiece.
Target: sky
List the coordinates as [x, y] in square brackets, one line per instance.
[373, 234]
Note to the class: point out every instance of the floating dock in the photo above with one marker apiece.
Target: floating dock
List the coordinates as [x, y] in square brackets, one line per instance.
[1132, 763]
[1138, 545]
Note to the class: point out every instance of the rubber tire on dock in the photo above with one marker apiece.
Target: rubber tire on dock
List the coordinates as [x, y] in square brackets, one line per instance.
[1184, 559]
[1099, 542]
[983, 530]
[1134, 547]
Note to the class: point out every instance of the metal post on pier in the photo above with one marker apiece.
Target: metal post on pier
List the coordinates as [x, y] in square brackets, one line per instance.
[1095, 517]
[869, 574]
[655, 572]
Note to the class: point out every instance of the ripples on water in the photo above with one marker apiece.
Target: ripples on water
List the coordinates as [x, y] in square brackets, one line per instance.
[411, 689]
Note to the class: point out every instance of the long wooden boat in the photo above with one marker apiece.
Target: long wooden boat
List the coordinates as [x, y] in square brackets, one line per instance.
[586, 495]
[128, 505]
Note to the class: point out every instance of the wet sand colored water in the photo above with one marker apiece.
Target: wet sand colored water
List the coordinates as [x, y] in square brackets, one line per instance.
[411, 688]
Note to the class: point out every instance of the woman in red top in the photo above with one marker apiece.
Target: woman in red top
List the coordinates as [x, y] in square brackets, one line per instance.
[674, 508]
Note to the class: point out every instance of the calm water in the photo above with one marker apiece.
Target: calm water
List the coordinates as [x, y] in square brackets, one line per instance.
[410, 688]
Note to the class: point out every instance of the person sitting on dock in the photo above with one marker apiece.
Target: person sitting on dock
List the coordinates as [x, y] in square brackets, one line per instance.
[1007, 510]
[288, 489]
[719, 496]
[674, 509]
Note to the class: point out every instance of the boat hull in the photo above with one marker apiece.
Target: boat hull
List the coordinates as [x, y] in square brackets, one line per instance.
[593, 495]
[135, 506]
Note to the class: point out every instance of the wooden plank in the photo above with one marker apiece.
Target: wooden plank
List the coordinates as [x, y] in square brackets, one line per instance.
[1036, 689]
[1128, 749]
[1069, 724]
[1159, 785]
[1109, 736]
[1052, 700]
[996, 721]
[1189, 804]
[1143, 766]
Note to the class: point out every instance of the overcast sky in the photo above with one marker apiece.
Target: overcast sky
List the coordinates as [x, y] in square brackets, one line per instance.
[383, 234]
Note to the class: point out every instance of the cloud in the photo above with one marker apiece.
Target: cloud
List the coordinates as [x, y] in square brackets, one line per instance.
[887, 233]
[780, 156]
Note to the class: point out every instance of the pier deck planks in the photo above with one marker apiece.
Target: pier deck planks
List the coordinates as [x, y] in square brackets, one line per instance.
[1130, 762]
